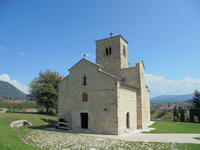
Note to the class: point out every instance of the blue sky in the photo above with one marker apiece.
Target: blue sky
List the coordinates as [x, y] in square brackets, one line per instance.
[36, 35]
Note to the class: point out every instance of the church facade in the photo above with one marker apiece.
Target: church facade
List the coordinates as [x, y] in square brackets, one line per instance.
[108, 96]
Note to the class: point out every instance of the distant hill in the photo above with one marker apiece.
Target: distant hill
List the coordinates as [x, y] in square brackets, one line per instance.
[8, 90]
[171, 98]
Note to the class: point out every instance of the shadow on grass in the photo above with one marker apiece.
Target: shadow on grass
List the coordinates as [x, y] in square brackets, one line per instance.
[51, 124]
[197, 138]
[40, 113]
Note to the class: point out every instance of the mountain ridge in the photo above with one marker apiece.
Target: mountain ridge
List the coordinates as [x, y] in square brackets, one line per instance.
[172, 98]
[10, 91]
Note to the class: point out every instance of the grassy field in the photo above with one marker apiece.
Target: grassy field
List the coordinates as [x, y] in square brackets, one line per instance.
[175, 127]
[10, 140]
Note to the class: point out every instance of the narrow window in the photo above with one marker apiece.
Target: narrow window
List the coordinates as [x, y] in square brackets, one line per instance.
[127, 120]
[110, 51]
[124, 50]
[84, 97]
[107, 53]
[84, 80]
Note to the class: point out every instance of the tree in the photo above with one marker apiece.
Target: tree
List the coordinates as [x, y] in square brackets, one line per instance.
[182, 115]
[191, 113]
[196, 104]
[179, 109]
[44, 89]
[175, 115]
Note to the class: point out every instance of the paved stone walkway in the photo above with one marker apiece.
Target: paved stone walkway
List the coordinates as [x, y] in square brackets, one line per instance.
[143, 137]
[177, 138]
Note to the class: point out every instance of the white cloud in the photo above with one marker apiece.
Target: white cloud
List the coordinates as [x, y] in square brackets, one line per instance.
[161, 86]
[6, 77]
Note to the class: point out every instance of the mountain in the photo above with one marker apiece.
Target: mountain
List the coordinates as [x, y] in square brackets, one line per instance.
[8, 90]
[171, 98]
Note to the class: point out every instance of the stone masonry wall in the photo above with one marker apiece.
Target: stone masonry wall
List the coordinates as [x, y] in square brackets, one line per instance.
[102, 98]
[126, 104]
[143, 105]
[114, 62]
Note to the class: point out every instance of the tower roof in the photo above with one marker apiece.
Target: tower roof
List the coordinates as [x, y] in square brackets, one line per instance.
[113, 37]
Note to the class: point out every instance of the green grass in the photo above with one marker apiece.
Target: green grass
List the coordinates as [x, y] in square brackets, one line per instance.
[175, 127]
[197, 138]
[157, 146]
[9, 139]
[188, 146]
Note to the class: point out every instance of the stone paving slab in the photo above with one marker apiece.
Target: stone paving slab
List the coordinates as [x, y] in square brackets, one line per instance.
[138, 136]
[177, 138]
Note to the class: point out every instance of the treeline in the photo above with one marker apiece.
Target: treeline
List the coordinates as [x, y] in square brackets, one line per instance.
[18, 107]
[193, 115]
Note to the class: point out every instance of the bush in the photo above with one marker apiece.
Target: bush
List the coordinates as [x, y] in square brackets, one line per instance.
[175, 119]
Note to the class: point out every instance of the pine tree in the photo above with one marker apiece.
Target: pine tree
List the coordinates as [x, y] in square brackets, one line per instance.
[196, 104]
[182, 115]
[191, 113]
[175, 115]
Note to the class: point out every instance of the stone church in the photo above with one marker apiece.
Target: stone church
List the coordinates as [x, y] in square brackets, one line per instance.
[108, 96]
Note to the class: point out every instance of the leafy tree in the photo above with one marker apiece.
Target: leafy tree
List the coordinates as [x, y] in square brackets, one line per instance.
[196, 104]
[44, 89]
[175, 119]
[179, 109]
[182, 115]
[175, 114]
[191, 113]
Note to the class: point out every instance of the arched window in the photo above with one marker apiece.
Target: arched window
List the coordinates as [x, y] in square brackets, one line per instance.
[107, 52]
[127, 120]
[124, 50]
[110, 50]
[84, 80]
[84, 97]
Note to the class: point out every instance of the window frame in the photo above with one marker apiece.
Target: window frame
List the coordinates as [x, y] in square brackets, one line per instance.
[108, 51]
[84, 80]
[84, 97]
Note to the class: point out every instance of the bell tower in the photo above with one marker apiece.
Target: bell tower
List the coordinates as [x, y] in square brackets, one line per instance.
[112, 53]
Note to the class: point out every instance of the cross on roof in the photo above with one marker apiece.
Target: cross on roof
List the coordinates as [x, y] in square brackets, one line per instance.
[84, 56]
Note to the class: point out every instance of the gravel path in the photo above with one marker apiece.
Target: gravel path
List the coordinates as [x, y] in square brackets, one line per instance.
[51, 140]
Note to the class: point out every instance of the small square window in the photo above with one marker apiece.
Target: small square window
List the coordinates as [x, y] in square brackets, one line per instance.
[84, 97]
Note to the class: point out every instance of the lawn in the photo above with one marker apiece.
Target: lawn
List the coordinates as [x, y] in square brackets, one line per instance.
[175, 127]
[10, 140]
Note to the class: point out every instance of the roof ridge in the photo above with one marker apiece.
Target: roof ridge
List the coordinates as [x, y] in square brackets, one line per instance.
[110, 74]
[87, 61]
